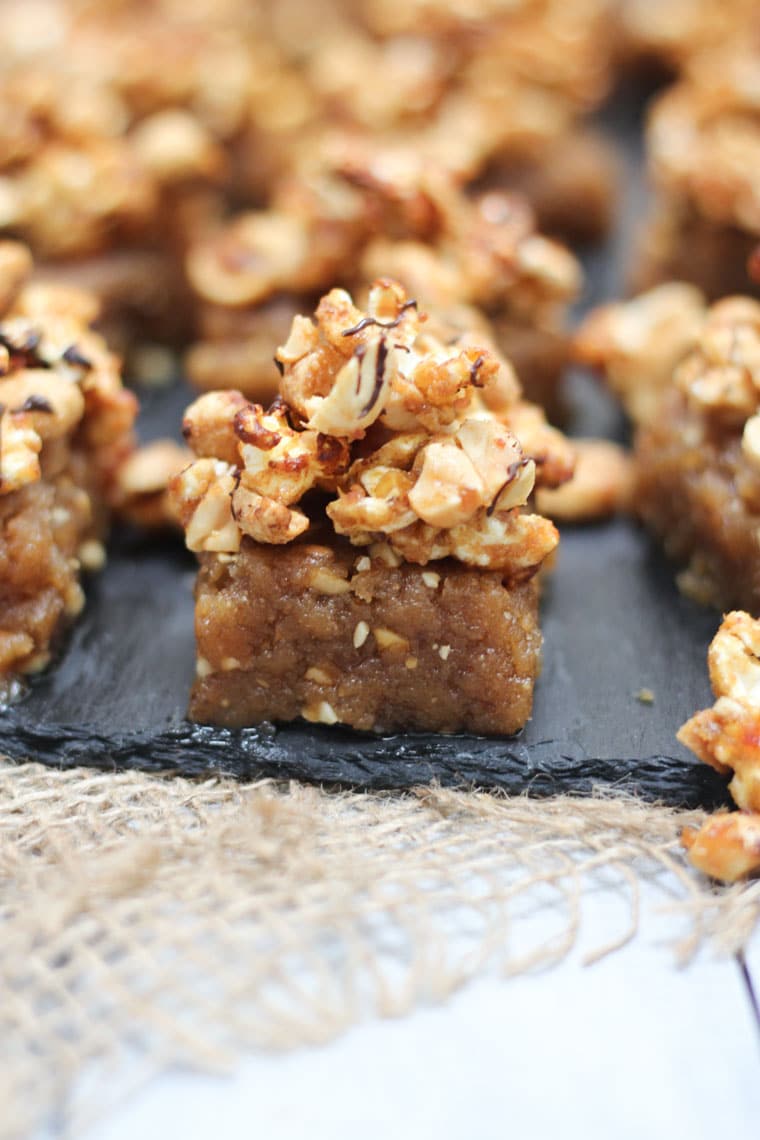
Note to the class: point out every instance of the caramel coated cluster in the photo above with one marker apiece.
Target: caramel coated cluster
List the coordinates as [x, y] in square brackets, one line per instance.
[727, 737]
[421, 444]
[368, 209]
[58, 381]
[117, 117]
[670, 338]
[114, 113]
[703, 138]
[676, 32]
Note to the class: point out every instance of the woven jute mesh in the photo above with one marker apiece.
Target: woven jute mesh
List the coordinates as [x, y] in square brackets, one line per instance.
[180, 921]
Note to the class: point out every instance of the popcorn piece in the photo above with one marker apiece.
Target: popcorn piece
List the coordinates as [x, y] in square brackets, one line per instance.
[257, 256]
[201, 498]
[143, 480]
[20, 446]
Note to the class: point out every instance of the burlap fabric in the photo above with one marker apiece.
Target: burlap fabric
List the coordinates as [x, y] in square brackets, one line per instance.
[181, 921]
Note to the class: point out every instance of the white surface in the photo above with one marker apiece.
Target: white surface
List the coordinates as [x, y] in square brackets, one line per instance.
[630, 1049]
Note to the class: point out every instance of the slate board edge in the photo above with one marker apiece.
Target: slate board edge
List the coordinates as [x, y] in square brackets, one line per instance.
[347, 759]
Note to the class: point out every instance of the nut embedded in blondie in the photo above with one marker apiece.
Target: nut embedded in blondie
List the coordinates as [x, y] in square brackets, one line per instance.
[366, 553]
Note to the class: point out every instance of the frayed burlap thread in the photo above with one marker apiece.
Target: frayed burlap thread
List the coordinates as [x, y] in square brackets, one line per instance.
[182, 921]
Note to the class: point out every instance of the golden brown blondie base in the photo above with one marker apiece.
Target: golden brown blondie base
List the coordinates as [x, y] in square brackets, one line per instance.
[331, 634]
[680, 245]
[701, 496]
[42, 529]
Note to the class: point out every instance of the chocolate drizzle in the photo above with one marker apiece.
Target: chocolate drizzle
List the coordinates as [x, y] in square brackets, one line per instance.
[380, 360]
[511, 473]
[23, 352]
[366, 322]
[36, 404]
[74, 357]
[474, 370]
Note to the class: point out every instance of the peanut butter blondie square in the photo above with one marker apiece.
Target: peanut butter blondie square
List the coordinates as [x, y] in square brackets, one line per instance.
[113, 164]
[65, 428]
[703, 147]
[367, 210]
[690, 376]
[366, 552]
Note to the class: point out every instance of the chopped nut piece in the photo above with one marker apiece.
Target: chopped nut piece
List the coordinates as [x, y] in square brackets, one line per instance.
[448, 489]
[92, 555]
[20, 446]
[320, 713]
[361, 633]
[201, 498]
[208, 423]
[325, 582]
[387, 639]
[751, 441]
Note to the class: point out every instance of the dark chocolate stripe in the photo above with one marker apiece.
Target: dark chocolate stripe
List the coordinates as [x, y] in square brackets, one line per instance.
[382, 355]
[74, 357]
[36, 404]
[365, 322]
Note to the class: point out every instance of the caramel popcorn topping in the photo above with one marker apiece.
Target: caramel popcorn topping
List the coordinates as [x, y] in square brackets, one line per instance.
[727, 736]
[678, 31]
[703, 137]
[56, 378]
[669, 338]
[394, 426]
[638, 344]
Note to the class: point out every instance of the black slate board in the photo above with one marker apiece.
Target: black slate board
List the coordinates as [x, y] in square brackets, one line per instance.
[613, 624]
